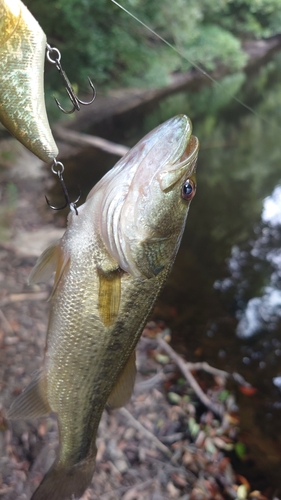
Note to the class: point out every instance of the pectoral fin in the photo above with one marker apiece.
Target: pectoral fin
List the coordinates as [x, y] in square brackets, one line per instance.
[109, 296]
[125, 384]
[32, 402]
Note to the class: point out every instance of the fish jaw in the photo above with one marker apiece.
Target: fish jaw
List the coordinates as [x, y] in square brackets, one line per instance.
[22, 56]
[143, 213]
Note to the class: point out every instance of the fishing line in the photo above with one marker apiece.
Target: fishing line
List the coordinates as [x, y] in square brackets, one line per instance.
[195, 65]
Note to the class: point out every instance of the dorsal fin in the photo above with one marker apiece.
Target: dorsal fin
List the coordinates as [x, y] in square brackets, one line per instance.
[45, 265]
[122, 391]
[62, 265]
[53, 259]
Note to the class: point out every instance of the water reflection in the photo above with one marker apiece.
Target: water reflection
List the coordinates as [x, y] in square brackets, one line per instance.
[262, 312]
[272, 208]
[223, 299]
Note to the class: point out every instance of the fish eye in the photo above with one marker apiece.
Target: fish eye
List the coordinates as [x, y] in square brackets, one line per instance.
[188, 190]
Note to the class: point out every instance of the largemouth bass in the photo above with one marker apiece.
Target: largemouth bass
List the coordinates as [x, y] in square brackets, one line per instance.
[110, 265]
[22, 55]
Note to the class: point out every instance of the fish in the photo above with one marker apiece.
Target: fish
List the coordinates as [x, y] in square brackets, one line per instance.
[110, 266]
[22, 103]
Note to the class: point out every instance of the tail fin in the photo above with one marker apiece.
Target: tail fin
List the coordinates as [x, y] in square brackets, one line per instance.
[65, 483]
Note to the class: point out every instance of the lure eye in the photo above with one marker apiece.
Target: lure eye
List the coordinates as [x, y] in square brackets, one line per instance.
[188, 190]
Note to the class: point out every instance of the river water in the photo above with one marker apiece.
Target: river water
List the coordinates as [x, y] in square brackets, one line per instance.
[223, 299]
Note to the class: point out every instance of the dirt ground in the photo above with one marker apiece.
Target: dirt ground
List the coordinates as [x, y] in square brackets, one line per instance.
[166, 444]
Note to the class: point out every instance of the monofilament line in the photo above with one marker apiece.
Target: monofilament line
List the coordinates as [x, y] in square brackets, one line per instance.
[195, 65]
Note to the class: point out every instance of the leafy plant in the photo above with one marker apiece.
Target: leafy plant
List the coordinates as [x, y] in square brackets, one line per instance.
[100, 40]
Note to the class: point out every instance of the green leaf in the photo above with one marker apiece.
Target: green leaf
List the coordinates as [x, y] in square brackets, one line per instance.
[162, 358]
[223, 395]
[174, 398]
[194, 428]
[240, 450]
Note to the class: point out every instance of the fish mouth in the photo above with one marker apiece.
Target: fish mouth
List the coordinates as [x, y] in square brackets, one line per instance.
[190, 152]
[184, 167]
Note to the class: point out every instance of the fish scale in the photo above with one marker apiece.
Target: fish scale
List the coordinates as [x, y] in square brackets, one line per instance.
[110, 266]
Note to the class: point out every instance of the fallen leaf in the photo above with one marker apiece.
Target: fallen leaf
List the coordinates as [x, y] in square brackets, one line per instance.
[179, 480]
[247, 391]
[242, 492]
[172, 490]
[257, 495]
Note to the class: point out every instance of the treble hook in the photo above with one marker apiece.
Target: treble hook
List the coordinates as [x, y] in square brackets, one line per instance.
[71, 94]
[59, 172]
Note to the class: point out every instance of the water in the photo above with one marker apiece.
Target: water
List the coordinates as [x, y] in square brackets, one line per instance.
[223, 299]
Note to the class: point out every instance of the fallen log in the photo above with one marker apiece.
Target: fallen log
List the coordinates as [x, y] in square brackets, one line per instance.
[69, 136]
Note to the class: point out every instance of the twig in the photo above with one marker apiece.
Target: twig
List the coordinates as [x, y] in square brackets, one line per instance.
[150, 383]
[19, 297]
[5, 490]
[116, 492]
[174, 467]
[91, 140]
[137, 425]
[41, 464]
[217, 372]
[132, 493]
[240, 380]
[202, 365]
[173, 438]
[215, 408]
[7, 325]
[123, 489]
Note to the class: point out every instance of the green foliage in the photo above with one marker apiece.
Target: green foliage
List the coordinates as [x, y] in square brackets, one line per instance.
[239, 158]
[214, 44]
[99, 40]
[204, 104]
[258, 18]
[240, 450]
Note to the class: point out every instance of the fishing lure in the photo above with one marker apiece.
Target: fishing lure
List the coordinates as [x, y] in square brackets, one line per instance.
[23, 46]
[76, 102]
[22, 55]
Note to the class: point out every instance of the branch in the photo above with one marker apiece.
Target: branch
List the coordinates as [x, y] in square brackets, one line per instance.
[218, 409]
[127, 489]
[217, 372]
[90, 140]
[202, 365]
[7, 325]
[150, 383]
[19, 297]
[137, 425]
